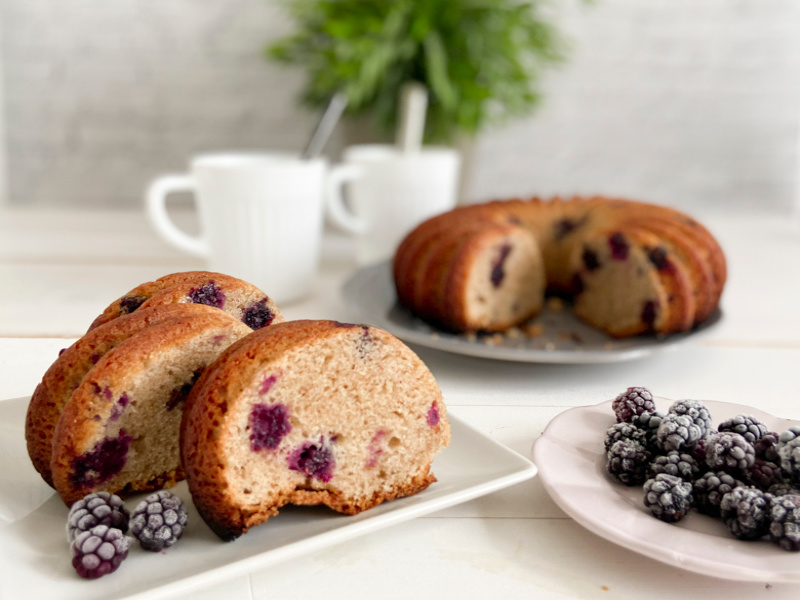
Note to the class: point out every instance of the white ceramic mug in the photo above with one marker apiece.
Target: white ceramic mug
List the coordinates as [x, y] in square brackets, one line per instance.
[389, 193]
[260, 217]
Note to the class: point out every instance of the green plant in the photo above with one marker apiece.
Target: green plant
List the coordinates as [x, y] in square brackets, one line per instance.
[479, 59]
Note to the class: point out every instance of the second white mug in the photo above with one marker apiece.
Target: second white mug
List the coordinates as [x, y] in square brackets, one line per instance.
[389, 193]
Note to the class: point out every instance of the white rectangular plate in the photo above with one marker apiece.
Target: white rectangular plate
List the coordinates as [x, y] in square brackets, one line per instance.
[35, 561]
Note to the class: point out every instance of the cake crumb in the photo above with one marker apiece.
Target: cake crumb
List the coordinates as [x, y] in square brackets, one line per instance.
[608, 346]
[514, 333]
[471, 336]
[435, 335]
[532, 329]
[549, 346]
[493, 340]
[555, 304]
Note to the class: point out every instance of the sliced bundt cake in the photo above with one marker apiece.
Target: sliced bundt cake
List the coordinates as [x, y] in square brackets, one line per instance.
[674, 274]
[309, 412]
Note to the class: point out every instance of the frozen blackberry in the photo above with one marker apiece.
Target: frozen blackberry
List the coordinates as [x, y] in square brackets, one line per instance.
[709, 490]
[784, 526]
[766, 447]
[624, 431]
[694, 409]
[729, 452]
[674, 463]
[763, 475]
[98, 508]
[678, 432]
[631, 402]
[745, 425]
[789, 455]
[783, 489]
[158, 521]
[649, 421]
[669, 498]
[627, 461]
[99, 551]
[746, 512]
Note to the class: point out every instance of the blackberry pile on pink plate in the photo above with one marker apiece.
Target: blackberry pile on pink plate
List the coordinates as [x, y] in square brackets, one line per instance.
[740, 472]
[97, 526]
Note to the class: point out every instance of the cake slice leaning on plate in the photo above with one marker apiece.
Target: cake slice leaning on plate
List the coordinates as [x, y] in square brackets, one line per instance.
[310, 412]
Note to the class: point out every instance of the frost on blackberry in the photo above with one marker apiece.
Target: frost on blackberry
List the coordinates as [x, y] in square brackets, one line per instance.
[766, 447]
[695, 410]
[674, 463]
[678, 432]
[746, 512]
[789, 455]
[99, 551]
[729, 452]
[631, 402]
[624, 431]
[764, 475]
[784, 526]
[709, 490]
[649, 421]
[789, 434]
[98, 508]
[745, 425]
[669, 498]
[627, 461]
[158, 520]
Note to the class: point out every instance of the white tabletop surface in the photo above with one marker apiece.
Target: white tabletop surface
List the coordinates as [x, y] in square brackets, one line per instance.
[58, 270]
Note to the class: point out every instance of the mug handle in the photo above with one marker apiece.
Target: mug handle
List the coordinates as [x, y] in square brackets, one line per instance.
[338, 212]
[157, 212]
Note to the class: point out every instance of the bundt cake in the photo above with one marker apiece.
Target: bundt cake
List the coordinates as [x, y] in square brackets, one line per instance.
[309, 412]
[73, 363]
[239, 298]
[119, 429]
[630, 267]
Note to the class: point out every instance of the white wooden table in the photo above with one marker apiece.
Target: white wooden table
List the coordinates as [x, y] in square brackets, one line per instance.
[59, 270]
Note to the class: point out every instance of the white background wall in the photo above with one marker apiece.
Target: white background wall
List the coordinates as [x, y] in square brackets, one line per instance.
[694, 103]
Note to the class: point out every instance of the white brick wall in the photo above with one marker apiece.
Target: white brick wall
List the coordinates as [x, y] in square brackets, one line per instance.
[689, 102]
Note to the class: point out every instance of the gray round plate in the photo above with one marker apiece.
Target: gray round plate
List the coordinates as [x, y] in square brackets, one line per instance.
[564, 338]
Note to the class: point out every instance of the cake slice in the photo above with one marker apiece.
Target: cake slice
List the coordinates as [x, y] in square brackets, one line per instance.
[120, 429]
[309, 412]
[73, 363]
[237, 297]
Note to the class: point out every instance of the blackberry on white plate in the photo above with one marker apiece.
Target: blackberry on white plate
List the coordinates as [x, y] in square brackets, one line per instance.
[669, 498]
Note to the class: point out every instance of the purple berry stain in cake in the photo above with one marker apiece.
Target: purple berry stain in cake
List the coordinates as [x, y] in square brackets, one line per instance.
[119, 407]
[128, 304]
[100, 464]
[375, 448]
[313, 459]
[365, 342]
[269, 423]
[433, 415]
[619, 246]
[267, 383]
[209, 294]
[577, 285]
[258, 315]
[498, 270]
[649, 312]
[564, 227]
[658, 257]
[590, 260]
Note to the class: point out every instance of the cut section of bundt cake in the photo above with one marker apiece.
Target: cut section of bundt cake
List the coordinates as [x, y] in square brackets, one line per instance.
[119, 430]
[626, 283]
[310, 412]
[73, 363]
[674, 274]
[239, 298]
